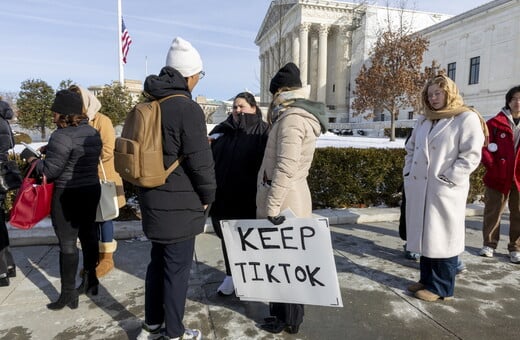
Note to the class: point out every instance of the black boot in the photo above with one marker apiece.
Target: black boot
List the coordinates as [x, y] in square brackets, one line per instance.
[67, 298]
[4, 281]
[69, 295]
[89, 283]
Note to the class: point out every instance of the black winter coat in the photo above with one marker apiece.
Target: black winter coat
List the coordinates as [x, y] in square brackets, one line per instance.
[174, 211]
[72, 157]
[6, 135]
[238, 154]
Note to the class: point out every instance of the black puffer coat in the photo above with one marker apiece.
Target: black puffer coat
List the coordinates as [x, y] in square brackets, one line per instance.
[238, 154]
[174, 211]
[6, 136]
[72, 157]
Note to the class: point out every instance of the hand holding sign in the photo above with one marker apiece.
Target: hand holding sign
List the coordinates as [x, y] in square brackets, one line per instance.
[276, 220]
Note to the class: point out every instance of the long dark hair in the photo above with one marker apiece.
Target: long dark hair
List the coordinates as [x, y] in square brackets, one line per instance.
[250, 99]
[70, 120]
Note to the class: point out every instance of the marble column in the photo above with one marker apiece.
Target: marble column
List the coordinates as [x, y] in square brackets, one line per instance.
[304, 45]
[262, 78]
[343, 42]
[313, 64]
[321, 85]
[296, 47]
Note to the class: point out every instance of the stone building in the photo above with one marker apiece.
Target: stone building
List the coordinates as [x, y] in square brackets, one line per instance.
[329, 41]
[134, 87]
[479, 50]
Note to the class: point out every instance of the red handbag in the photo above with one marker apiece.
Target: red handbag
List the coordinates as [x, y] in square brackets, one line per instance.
[33, 201]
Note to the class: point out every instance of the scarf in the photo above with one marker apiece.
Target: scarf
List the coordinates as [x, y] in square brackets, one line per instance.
[283, 100]
[454, 107]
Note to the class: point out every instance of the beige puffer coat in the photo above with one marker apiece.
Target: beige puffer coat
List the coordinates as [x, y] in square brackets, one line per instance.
[282, 178]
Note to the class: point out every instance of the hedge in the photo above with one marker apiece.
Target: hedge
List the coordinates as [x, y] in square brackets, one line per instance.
[347, 178]
[351, 177]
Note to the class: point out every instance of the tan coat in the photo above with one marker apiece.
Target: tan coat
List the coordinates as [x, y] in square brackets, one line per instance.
[287, 159]
[103, 124]
[108, 136]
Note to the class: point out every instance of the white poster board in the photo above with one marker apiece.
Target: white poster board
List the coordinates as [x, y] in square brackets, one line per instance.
[291, 262]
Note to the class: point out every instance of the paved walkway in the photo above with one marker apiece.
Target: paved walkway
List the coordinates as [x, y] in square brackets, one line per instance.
[372, 272]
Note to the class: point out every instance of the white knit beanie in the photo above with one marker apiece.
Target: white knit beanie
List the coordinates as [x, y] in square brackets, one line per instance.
[184, 58]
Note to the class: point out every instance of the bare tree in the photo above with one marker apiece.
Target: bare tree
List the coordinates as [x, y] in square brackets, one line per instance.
[393, 77]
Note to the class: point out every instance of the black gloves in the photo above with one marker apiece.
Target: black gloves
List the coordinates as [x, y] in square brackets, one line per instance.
[276, 220]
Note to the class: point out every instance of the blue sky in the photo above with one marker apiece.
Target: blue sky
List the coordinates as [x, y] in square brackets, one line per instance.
[54, 40]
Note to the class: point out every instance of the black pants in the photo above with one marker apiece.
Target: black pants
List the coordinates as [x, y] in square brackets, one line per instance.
[290, 313]
[73, 213]
[218, 230]
[6, 259]
[166, 285]
[402, 217]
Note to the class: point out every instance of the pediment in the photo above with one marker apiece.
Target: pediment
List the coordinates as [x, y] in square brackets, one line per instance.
[278, 9]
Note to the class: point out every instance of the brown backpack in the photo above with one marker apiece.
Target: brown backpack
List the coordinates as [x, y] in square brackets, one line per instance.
[138, 153]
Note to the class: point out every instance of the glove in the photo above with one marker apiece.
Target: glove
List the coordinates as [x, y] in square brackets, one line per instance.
[276, 220]
[26, 154]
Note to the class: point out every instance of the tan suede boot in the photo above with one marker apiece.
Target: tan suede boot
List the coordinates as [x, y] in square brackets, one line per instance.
[106, 260]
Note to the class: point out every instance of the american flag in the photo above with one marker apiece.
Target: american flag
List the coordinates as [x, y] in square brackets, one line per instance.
[125, 40]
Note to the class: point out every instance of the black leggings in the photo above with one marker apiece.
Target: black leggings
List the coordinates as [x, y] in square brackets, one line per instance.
[73, 215]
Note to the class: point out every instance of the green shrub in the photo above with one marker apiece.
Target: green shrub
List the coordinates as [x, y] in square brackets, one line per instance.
[350, 177]
[22, 137]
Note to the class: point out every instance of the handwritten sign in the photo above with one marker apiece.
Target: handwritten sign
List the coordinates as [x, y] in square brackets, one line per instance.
[291, 262]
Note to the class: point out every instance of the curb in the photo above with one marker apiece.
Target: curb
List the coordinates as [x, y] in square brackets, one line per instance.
[43, 232]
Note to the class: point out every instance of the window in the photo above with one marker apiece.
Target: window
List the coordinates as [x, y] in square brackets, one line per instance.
[410, 114]
[452, 67]
[474, 66]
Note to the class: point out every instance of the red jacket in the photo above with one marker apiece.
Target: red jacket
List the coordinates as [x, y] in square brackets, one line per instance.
[502, 168]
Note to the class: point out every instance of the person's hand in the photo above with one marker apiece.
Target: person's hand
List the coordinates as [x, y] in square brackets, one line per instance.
[276, 220]
[205, 206]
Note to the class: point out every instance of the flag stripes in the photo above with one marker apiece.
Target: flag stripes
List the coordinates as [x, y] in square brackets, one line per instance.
[126, 40]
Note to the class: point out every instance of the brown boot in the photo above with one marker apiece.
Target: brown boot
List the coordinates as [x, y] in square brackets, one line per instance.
[106, 261]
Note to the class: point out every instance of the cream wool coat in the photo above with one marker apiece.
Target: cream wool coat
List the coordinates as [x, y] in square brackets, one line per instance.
[103, 124]
[287, 159]
[435, 209]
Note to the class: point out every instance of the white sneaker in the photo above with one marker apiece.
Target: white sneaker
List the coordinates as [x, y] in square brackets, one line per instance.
[486, 251]
[226, 287]
[515, 256]
[149, 332]
[189, 334]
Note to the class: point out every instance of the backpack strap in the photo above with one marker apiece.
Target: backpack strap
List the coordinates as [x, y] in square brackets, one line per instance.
[174, 165]
[170, 96]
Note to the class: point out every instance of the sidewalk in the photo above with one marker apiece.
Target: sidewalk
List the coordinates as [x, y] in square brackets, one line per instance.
[372, 272]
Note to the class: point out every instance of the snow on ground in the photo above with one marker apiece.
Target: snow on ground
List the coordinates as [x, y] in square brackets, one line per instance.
[333, 140]
[326, 140]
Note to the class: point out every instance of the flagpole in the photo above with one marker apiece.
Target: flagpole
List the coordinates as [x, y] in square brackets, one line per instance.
[120, 49]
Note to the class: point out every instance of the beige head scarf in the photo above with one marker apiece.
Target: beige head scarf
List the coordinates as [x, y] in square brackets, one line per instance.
[454, 103]
[91, 104]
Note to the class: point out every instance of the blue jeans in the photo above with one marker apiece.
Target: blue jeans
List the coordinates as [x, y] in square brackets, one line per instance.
[105, 231]
[438, 275]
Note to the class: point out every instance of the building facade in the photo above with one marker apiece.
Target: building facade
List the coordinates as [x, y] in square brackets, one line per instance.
[479, 50]
[329, 41]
